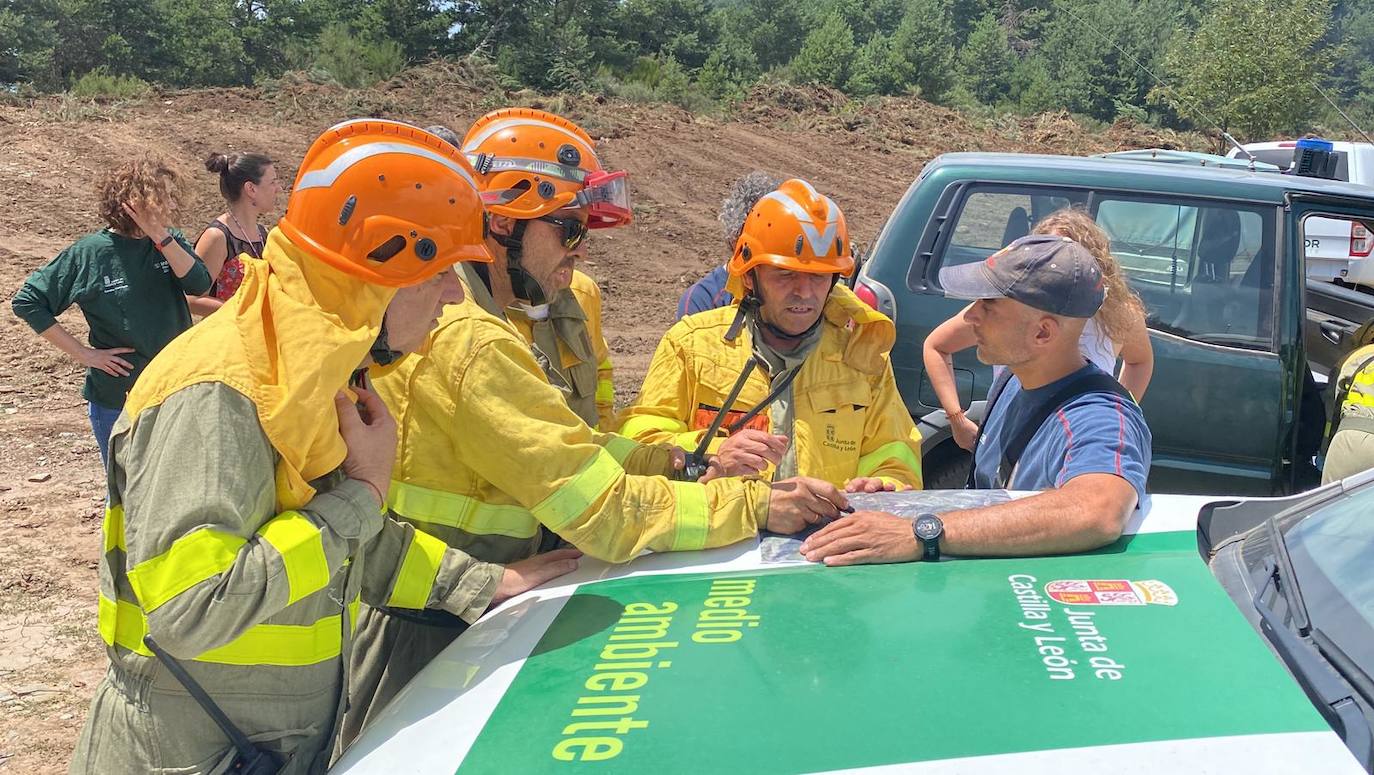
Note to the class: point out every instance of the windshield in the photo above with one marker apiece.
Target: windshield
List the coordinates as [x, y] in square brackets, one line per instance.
[1333, 551]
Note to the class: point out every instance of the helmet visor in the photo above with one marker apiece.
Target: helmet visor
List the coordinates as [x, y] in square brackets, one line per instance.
[607, 199]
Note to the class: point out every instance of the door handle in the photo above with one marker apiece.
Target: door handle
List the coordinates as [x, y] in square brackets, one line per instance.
[1333, 332]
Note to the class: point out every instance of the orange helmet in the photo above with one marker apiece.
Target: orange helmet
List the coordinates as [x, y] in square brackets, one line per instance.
[532, 163]
[385, 202]
[793, 227]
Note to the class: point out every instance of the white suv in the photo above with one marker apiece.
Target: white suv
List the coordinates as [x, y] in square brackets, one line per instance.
[1336, 249]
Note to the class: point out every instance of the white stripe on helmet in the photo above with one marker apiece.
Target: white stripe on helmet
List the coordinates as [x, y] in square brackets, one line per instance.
[820, 240]
[506, 123]
[326, 177]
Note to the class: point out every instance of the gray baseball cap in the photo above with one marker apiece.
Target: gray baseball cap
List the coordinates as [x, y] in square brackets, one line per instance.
[1050, 273]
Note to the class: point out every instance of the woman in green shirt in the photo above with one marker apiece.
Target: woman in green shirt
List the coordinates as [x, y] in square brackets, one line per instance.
[130, 281]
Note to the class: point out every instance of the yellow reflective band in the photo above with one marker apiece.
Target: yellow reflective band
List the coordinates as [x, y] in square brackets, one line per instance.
[418, 571]
[690, 516]
[619, 447]
[193, 558]
[113, 528]
[353, 609]
[123, 624]
[605, 391]
[284, 645]
[573, 498]
[1358, 399]
[605, 364]
[640, 423]
[298, 542]
[899, 451]
[460, 511]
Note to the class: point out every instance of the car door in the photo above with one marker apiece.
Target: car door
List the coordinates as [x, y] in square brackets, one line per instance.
[1205, 271]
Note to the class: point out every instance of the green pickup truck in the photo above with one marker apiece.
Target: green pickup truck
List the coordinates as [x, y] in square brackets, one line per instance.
[1215, 253]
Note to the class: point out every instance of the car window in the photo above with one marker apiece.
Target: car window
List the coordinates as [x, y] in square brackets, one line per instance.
[1333, 550]
[1204, 270]
[989, 219]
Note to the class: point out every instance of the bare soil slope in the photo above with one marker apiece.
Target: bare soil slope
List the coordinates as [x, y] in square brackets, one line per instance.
[51, 486]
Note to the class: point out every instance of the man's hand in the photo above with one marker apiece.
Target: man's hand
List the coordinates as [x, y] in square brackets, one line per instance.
[107, 361]
[801, 501]
[869, 484]
[152, 227]
[527, 574]
[965, 431]
[370, 434]
[865, 537]
[750, 451]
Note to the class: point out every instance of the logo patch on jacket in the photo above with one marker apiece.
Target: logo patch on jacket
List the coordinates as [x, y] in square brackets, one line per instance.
[833, 440]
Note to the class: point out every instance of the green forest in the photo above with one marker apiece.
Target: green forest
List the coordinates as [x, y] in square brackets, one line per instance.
[1254, 67]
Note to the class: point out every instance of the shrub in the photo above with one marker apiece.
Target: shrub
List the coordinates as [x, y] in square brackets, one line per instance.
[355, 62]
[101, 84]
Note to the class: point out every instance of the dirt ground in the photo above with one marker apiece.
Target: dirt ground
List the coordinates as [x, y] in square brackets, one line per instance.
[51, 485]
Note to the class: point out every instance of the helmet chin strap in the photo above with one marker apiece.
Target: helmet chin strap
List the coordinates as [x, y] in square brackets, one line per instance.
[523, 284]
[381, 351]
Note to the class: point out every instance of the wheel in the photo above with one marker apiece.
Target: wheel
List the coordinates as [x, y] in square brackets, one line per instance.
[946, 467]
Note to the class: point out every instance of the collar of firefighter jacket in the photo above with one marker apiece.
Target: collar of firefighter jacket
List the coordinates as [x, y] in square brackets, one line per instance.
[871, 333]
[288, 340]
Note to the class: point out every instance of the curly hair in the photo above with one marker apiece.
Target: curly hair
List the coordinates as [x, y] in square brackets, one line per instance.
[1122, 308]
[744, 194]
[447, 135]
[146, 182]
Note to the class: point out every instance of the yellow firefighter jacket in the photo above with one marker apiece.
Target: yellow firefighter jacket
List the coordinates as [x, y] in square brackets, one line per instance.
[849, 419]
[489, 454]
[232, 539]
[583, 371]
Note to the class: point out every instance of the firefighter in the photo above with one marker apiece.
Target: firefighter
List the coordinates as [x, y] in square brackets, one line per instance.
[810, 361]
[244, 524]
[1350, 447]
[537, 172]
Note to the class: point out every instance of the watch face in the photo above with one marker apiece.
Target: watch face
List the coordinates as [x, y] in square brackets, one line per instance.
[928, 528]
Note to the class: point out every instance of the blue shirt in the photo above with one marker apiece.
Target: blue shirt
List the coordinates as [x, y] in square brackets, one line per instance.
[1096, 433]
[707, 293]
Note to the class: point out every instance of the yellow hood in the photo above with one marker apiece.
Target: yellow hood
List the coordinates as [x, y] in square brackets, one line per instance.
[288, 340]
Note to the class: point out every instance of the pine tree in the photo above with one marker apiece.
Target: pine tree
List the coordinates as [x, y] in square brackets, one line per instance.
[987, 62]
[825, 54]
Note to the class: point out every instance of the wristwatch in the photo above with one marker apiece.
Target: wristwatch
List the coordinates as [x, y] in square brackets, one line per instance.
[928, 529]
[165, 241]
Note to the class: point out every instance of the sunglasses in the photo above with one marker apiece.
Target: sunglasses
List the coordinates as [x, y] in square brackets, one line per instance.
[574, 230]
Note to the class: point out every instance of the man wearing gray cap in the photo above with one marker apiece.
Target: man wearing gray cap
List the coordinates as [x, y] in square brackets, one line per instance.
[1055, 423]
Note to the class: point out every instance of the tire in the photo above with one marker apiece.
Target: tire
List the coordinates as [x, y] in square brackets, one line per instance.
[946, 467]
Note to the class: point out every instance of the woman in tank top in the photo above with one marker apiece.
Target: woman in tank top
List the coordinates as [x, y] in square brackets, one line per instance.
[248, 182]
[1117, 332]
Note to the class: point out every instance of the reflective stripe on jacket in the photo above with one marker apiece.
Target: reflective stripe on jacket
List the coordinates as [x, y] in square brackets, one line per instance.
[255, 600]
[489, 456]
[1356, 377]
[233, 539]
[850, 420]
